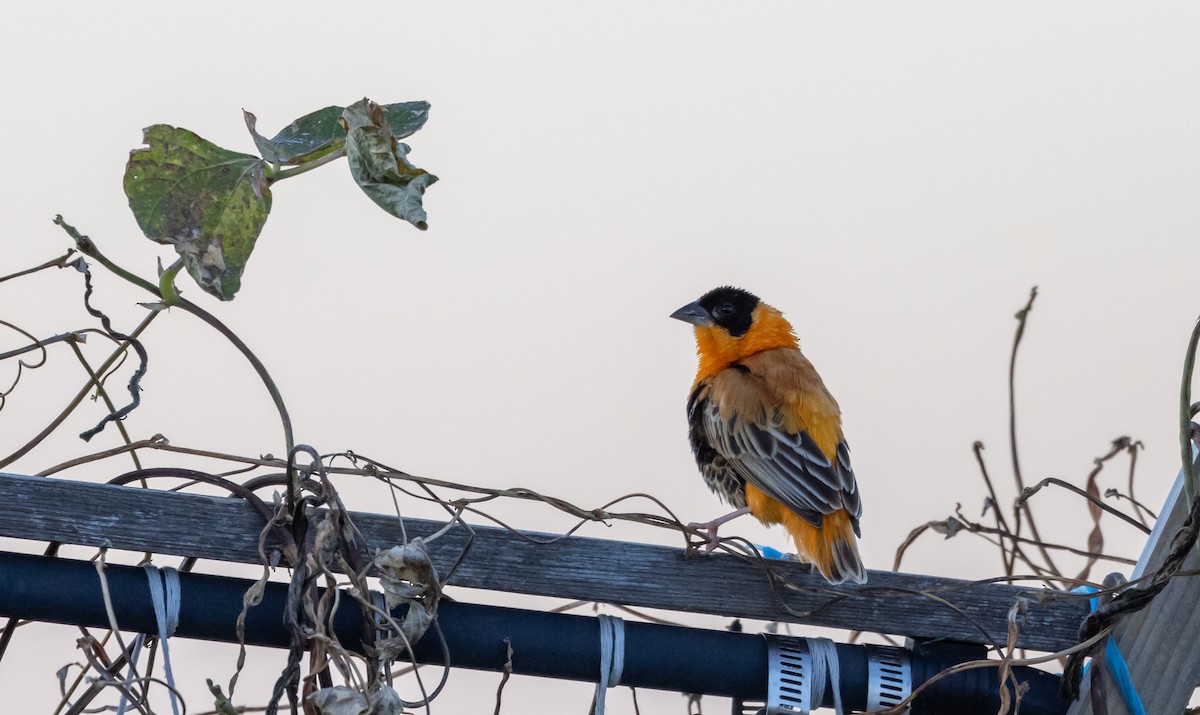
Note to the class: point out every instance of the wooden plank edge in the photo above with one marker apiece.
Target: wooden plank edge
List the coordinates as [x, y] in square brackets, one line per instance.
[575, 567]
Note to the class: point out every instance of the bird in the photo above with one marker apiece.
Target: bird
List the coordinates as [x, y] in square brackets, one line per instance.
[767, 434]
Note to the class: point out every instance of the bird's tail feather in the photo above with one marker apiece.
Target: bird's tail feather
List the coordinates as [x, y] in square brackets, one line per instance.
[831, 548]
[846, 564]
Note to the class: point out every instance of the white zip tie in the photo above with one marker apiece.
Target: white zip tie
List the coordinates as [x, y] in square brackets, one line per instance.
[824, 657]
[166, 614]
[612, 656]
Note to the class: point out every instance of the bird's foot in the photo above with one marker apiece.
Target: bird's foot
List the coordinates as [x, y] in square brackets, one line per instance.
[708, 530]
[710, 539]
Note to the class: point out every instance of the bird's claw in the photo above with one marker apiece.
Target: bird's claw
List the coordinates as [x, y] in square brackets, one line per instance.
[711, 541]
[709, 530]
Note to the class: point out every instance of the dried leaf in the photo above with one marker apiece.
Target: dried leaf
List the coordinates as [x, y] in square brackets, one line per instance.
[380, 166]
[1095, 542]
[344, 700]
[407, 575]
[339, 700]
[1018, 618]
[949, 527]
[384, 701]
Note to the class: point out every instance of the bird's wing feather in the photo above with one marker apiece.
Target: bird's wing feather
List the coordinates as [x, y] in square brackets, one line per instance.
[850, 497]
[720, 477]
[744, 424]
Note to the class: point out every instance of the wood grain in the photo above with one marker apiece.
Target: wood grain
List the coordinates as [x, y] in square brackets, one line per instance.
[581, 568]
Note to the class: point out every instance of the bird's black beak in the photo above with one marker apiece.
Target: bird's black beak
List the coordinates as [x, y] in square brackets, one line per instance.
[693, 313]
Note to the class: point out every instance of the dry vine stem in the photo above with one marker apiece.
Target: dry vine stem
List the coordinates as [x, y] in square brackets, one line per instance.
[331, 553]
[1011, 542]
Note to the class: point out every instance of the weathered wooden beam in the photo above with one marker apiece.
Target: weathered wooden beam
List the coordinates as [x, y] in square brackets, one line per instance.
[1159, 642]
[582, 568]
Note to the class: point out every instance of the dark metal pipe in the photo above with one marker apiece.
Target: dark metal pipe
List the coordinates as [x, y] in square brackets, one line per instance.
[556, 645]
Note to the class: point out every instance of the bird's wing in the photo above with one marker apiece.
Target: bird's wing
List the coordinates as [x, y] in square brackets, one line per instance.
[746, 421]
[718, 474]
[850, 498]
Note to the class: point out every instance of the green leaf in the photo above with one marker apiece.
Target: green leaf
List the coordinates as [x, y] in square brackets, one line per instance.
[316, 134]
[380, 166]
[207, 202]
[406, 118]
[310, 137]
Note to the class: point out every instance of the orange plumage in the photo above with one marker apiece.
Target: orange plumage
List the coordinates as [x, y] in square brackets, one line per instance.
[766, 433]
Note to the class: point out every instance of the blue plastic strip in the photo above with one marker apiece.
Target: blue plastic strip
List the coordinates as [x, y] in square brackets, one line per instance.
[1117, 667]
[769, 553]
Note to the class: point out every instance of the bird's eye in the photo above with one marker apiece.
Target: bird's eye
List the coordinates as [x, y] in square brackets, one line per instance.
[723, 310]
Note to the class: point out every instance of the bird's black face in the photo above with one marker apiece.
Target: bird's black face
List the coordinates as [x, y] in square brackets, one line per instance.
[731, 308]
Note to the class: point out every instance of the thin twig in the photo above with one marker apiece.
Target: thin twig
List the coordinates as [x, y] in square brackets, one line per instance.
[1138, 507]
[137, 463]
[38, 345]
[86, 246]
[60, 262]
[78, 397]
[1030, 491]
[508, 669]
[1022, 315]
[997, 513]
[1185, 415]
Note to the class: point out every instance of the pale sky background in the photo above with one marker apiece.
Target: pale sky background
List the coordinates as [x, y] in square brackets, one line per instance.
[894, 177]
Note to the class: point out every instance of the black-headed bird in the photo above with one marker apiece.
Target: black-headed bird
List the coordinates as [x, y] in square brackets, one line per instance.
[766, 433]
